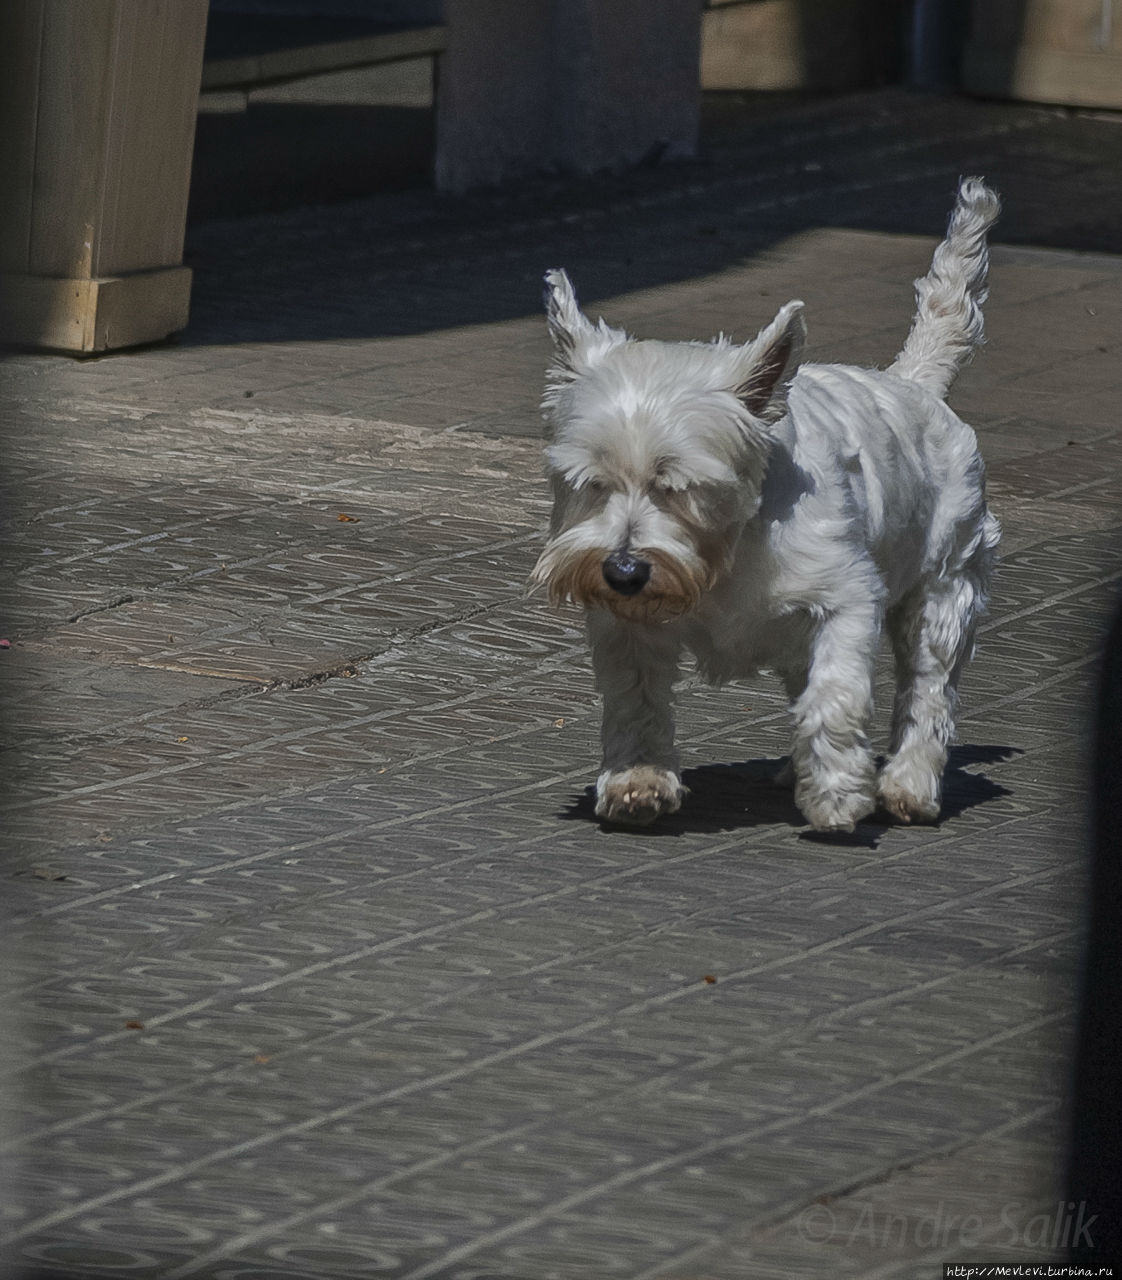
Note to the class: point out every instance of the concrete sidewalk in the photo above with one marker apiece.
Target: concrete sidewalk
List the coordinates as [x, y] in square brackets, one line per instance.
[318, 963]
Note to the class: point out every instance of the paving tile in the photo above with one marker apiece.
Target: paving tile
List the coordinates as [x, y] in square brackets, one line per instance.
[307, 799]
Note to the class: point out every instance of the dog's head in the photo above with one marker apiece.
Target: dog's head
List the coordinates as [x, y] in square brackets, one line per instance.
[656, 453]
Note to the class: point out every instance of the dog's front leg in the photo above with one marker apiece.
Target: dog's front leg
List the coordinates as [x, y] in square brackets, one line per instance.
[833, 763]
[635, 668]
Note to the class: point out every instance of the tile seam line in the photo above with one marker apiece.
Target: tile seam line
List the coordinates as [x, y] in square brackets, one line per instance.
[246, 688]
[303, 791]
[294, 735]
[359, 429]
[629, 873]
[450, 927]
[1071, 670]
[389, 1180]
[1083, 486]
[403, 939]
[384, 1183]
[631, 1176]
[539, 784]
[777, 1219]
[350, 832]
[392, 642]
[994, 621]
[50, 636]
[608, 878]
[292, 490]
[1089, 585]
[72, 508]
[359, 828]
[404, 522]
[828, 1017]
[537, 1042]
[390, 944]
[1068, 670]
[521, 789]
[168, 586]
[196, 522]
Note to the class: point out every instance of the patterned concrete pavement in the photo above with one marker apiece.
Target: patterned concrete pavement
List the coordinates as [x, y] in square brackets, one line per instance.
[318, 964]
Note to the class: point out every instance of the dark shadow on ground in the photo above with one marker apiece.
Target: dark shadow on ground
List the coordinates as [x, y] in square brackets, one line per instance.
[412, 262]
[261, 159]
[743, 795]
[964, 785]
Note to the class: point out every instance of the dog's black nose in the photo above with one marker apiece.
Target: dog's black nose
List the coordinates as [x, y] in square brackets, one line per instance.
[625, 574]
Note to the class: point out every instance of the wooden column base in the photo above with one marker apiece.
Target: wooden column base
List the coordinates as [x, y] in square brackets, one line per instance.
[1036, 73]
[819, 45]
[87, 316]
[1064, 51]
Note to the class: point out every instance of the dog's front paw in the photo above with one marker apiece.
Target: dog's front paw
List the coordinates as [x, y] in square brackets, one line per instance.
[910, 795]
[835, 796]
[637, 796]
[834, 811]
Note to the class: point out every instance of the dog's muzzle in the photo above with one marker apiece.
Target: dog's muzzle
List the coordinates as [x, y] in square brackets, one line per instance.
[625, 573]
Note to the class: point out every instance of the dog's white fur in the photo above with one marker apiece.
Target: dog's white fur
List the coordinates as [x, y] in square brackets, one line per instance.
[785, 514]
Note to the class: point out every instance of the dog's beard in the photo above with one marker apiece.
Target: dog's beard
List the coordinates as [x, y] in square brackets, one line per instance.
[687, 552]
[675, 587]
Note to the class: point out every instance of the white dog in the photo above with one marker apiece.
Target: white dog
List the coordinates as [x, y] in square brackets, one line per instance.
[720, 499]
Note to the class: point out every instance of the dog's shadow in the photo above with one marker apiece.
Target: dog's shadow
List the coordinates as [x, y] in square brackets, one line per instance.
[748, 794]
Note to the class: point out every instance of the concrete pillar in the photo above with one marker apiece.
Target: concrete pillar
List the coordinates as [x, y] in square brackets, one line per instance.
[571, 85]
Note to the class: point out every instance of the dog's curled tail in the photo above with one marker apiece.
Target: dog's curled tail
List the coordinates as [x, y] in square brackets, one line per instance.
[948, 324]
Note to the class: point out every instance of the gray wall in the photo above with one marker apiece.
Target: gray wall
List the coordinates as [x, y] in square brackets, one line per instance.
[580, 85]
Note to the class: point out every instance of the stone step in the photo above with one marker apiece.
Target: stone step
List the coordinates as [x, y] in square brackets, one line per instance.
[244, 51]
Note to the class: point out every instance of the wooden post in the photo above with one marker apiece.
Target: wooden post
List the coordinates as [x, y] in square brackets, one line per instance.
[98, 99]
[821, 45]
[1067, 51]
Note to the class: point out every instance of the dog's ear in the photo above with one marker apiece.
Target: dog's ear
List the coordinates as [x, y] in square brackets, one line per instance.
[769, 362]
[577, 342]
[567, 323]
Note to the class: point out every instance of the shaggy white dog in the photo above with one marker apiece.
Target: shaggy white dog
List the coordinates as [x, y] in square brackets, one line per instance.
[721, 499]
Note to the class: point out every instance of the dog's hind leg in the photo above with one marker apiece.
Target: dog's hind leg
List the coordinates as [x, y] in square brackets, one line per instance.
[932, 633]
[794, 677]
[833, 762]
[635, 667]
